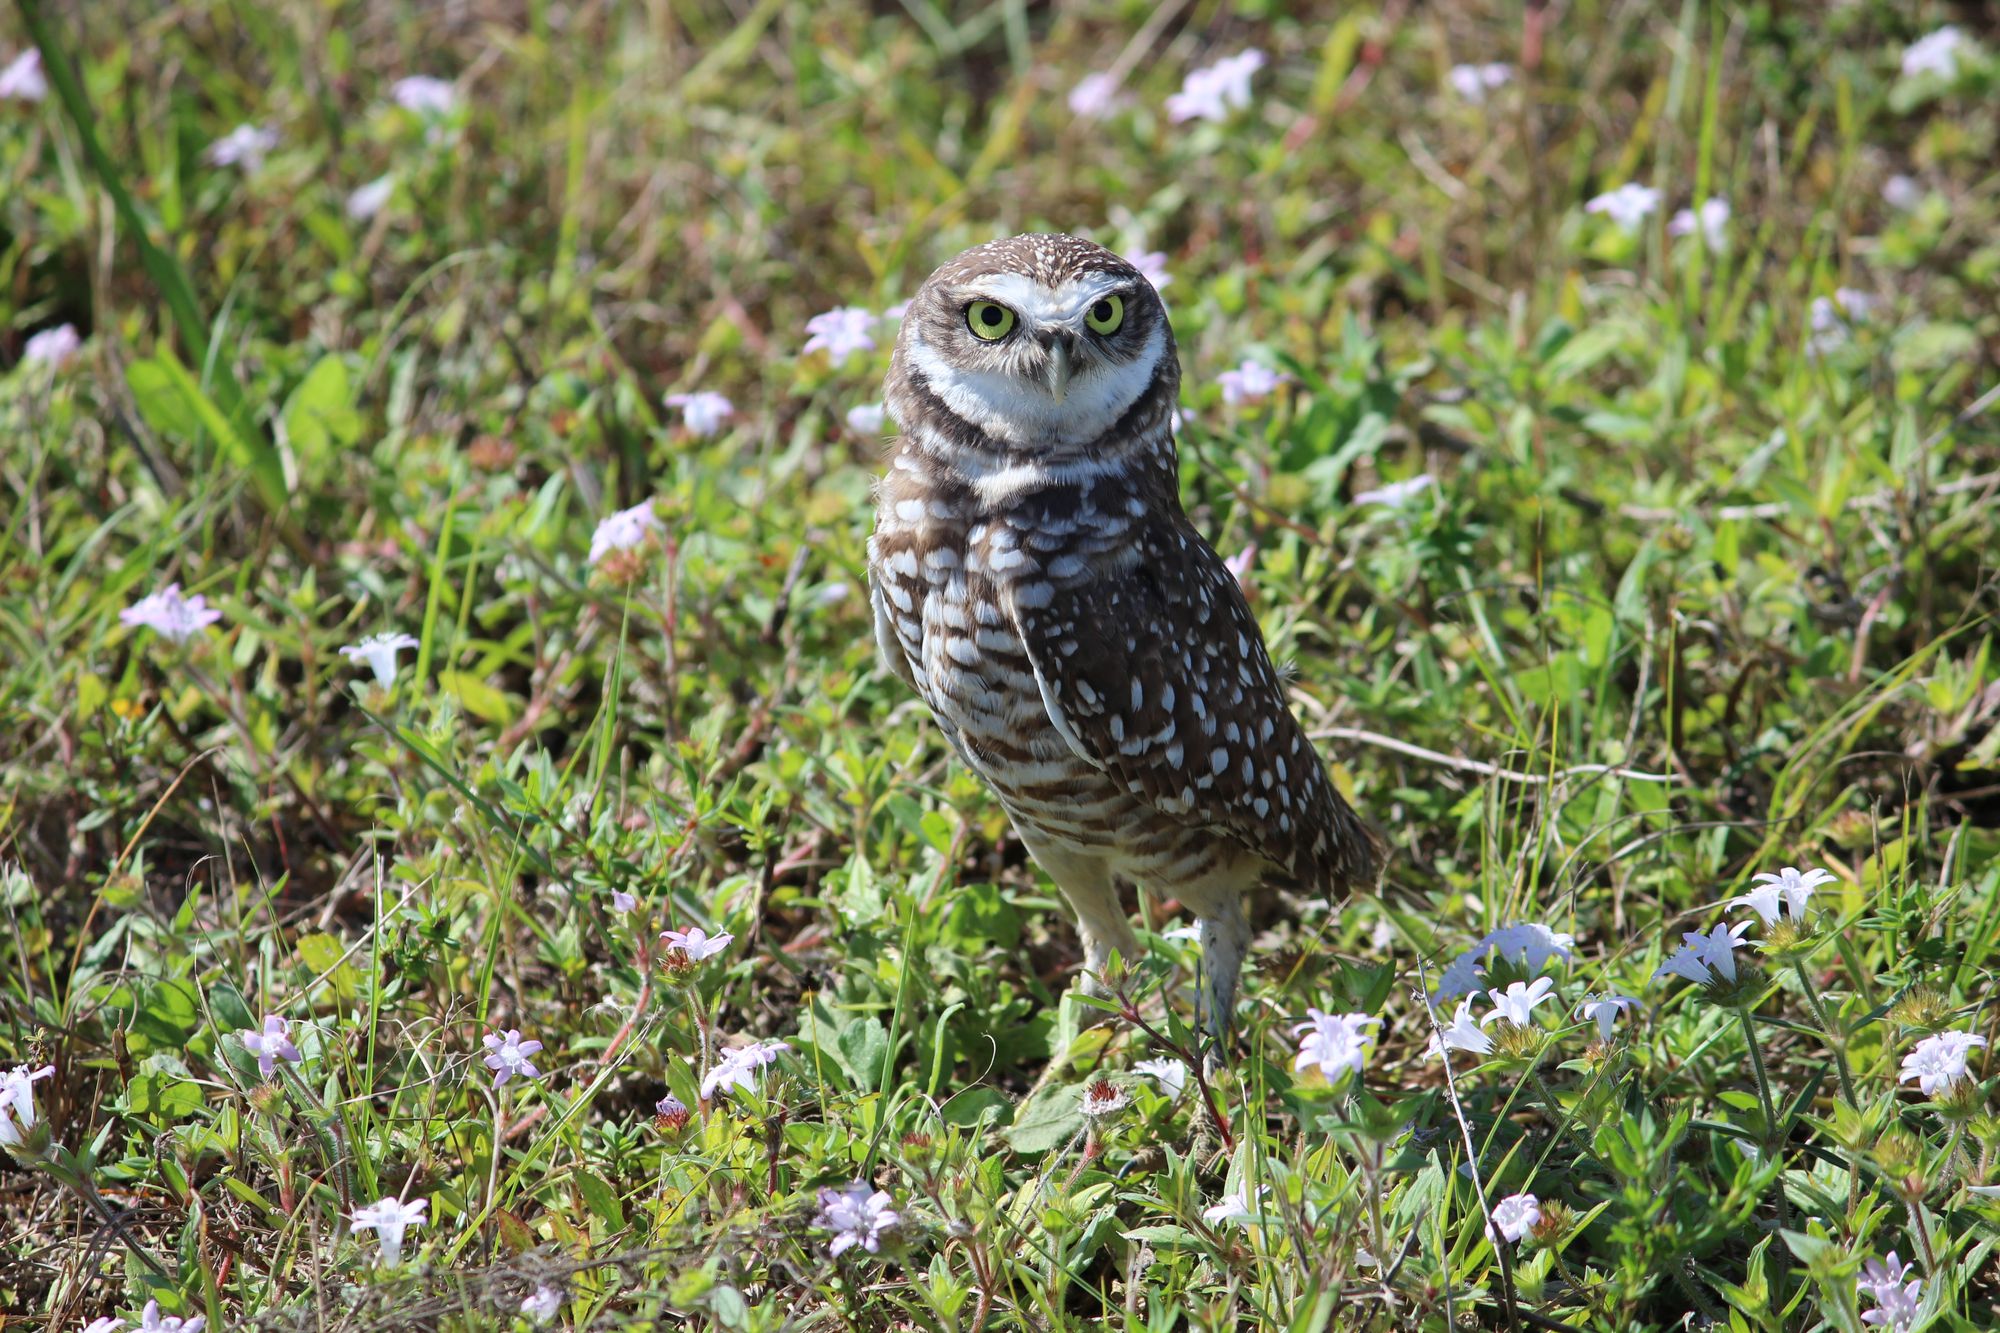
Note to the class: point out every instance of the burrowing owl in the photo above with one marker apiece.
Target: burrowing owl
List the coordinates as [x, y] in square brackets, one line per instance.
[1035, 580]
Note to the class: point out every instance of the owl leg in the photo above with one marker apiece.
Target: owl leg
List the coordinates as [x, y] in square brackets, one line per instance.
[1225, 939]
[1091, 891]
[1090, 888]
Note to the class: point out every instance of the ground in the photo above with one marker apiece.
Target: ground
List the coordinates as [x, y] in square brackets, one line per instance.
[1621, 555]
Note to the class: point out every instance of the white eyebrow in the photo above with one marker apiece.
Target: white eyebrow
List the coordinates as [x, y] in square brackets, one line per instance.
[1037, 303]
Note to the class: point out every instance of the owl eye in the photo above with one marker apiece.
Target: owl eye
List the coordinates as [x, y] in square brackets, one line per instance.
[989, 321]
[1106, 315]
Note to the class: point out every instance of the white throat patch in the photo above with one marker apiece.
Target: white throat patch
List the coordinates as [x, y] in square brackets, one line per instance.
[1022, 412]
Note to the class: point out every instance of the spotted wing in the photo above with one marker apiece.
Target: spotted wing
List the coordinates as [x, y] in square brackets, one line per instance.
[1158, 675]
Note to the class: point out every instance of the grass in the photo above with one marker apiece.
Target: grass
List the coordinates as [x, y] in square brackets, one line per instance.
[1703, 588]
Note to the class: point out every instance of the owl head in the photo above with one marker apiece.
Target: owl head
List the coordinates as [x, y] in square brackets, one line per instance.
[1041, 342]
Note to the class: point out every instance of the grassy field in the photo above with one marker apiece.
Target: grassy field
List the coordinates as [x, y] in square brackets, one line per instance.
[1622, 556]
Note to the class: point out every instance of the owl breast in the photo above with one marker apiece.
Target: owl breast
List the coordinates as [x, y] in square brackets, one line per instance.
[944, 568]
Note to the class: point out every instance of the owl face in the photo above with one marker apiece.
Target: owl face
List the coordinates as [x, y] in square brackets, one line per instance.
[1039, 341]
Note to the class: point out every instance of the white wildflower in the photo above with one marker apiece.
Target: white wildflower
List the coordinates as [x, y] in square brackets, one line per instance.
[738, 1068]
[1335, 1043]
[1474, 82]
[624, 530]
[1627, 206]
[839, 333]
[368, 200]
[1152, 266]
[22, 80]
[1514, 1216]
[703, 412]
[856, 1215]
[866, 419]
[1711, 220]
[170, 615]
[1171, 1075]
[1211, 92]
[389, 1218]
[1397, 493]
[1717, 949]
[542, 1305]
[1937, 53]
[55, 347]
[426, 96]
[1248, 383]
[1605, 1009]
[1938, 1062]
[1517, 1003]
[1095, 96]
[1464, 1034]
[246, 146]
[379, 652]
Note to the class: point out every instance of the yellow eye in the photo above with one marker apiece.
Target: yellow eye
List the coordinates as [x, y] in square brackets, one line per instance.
[1106, 315]
[989, 321]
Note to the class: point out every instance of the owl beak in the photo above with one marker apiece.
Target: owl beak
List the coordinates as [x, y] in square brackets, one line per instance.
[1059, 369]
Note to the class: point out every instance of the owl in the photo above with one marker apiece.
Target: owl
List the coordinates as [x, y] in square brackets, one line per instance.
[1034, 579]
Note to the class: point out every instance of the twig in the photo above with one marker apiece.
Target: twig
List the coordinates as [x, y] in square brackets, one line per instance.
[1481, 766]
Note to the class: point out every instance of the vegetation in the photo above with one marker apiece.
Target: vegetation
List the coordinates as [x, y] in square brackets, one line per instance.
[1622, 557]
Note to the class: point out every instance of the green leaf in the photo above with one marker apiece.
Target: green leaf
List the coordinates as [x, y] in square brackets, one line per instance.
[322, 953]
[158, 397]
[320, 415]
[1162, 1235]
[167, 1017]
[229, 1009]
[601, 1199]
[978, 1106]
[861, 1045]
[1048, 1120]
[479, 699]
[860, 896]
[162, 1094]
[980, 915]
[244, 450]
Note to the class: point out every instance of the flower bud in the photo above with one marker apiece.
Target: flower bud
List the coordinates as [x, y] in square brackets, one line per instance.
[1960, 1103]
[624, 568]
[1787, 941]
[1897, 1151]
[1555, 1222]
[1852, 830]
[1923, 1008]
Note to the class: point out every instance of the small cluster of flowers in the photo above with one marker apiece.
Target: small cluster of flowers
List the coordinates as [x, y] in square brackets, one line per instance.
[1709, 957]
[1528, 943]
[1831, 319]
[1938, 53]
[1475, 82]
[150, 1321]
[177, 617]
[1209, 92]
[171, 615]
[1895, 1299]
[1249, 383]
[737, 1069]
[857, 1214]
